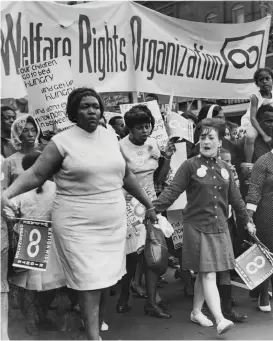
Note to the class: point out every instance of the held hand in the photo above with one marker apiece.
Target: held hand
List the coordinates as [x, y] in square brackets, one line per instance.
[251, 228]
[169, 149]
[151, 215]
[8, 213]
[7, 204]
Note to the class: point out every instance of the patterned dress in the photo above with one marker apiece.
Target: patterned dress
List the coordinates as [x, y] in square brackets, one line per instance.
[260, 198]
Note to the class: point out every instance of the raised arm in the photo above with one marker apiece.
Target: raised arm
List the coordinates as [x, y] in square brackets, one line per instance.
[46, 165]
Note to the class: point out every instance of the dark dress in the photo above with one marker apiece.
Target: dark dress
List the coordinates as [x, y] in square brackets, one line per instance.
[260, 194]
[210, 188]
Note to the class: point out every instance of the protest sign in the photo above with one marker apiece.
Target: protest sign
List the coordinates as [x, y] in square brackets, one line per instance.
[108, 115]
[33, 245]
[159, 132]
[48, 85]
[253, 266]
[130, 51]
[175, 219]
[179, 127]
[177, 159]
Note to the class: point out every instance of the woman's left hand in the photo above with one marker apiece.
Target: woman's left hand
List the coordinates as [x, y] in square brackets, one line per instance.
[151, 215]
[169, 149]
[251, 228]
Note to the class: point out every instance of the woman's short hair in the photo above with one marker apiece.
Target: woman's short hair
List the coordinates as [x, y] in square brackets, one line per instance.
[74, 100]
[139, 114]
[262, 69]
[7, 108]
[217, 124]
[204, 111]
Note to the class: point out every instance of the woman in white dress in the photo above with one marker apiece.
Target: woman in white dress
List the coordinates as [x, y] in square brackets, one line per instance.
[89, 212]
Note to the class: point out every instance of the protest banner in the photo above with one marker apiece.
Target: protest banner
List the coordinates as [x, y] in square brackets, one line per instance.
[33, 245]
[254, 266]
[48, 85]
[177, 159]
[175, 219]
[179, 127]
[159, 132]
[129, 51]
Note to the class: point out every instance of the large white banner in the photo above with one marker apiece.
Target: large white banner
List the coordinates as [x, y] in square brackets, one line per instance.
[123, 46]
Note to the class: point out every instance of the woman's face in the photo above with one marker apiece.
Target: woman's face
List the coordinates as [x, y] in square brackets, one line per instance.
[141, 132]
[89, 114]
[209, 143]
[29, 134]
[227, 134]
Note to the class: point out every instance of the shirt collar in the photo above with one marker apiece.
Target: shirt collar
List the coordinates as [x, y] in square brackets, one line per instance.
[207, 159]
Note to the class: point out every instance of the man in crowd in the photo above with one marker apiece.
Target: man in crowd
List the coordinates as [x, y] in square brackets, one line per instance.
[8, 116]
[118, 125]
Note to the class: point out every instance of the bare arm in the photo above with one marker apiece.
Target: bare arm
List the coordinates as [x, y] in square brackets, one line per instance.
[253, 115]
[46, 165]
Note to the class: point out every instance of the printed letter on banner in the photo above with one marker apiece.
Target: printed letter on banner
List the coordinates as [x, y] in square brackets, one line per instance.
[33, 245]
[253, 266]
[159, 132]
[48, 85]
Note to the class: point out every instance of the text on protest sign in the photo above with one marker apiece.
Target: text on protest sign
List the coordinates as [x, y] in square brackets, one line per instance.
[35, 237]
[129, 51]
[175, 218]
[159, 133]
[48, 85]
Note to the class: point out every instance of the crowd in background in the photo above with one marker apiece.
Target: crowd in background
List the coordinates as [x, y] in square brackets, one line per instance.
[96, 166]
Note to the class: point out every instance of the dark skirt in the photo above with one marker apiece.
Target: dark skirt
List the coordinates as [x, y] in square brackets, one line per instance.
[206, 252]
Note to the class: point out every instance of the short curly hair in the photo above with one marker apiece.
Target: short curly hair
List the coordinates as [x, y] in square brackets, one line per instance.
[258, 71]
[217, 124]
[139, 114]
[74, 100]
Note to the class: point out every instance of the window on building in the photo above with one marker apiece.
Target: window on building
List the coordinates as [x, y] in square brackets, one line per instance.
[211, 17]
[238, 14]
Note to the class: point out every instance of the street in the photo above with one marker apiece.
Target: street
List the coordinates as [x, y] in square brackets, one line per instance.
[135, 326]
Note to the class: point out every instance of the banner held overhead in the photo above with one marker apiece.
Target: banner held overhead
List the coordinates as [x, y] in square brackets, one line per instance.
[123, 46]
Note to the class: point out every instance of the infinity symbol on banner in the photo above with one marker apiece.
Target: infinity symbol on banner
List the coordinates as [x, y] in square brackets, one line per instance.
[246, 55]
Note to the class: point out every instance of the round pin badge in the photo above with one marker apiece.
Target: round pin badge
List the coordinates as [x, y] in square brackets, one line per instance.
[201, 172]
[225, 174]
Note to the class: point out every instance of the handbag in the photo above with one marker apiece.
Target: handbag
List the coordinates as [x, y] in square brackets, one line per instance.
[155, 250]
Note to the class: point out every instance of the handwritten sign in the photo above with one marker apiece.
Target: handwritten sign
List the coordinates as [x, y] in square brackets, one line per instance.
[33, 245]
[179, 127]
[159, 132]
[177, 159]
[253, 266]
[175, 219]
[48, 85]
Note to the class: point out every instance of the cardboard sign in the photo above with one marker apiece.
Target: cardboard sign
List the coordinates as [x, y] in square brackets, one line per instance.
[33, 245]
[175, 219]
[254, 267]
[177, 159]
[48, 85]
[159, 132]
[179, 127]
